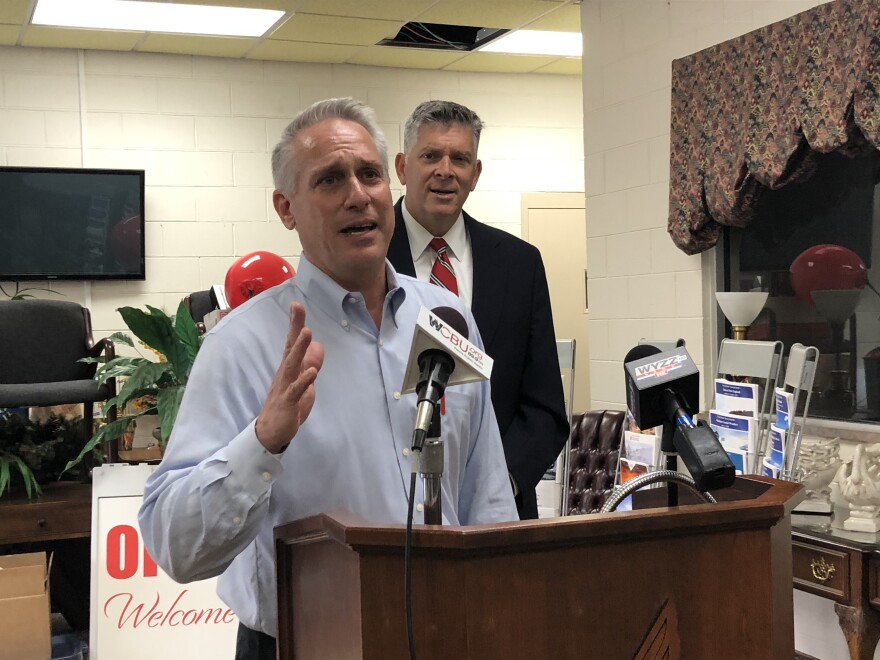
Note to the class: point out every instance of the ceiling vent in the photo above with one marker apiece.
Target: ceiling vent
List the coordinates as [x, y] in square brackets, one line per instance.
[437, 36]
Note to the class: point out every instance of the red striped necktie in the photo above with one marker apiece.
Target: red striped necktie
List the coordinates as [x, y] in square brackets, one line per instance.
[442, 273]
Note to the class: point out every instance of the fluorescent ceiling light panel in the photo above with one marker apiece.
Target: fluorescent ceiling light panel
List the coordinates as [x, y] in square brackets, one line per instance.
[155, 17]
[537, 42]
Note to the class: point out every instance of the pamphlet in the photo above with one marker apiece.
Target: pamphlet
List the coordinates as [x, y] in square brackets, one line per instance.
[737, 398]
[738, 435]
[777, 446]
[784, 403]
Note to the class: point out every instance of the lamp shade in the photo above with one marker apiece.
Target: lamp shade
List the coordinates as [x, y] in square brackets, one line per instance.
[253, 273]
[741, 307]
[836, 305]
[826, 267]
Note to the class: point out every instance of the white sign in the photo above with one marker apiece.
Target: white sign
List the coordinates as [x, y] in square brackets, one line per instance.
[137, 611]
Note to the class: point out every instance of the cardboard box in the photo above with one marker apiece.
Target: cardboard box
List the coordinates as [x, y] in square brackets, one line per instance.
[25, 632]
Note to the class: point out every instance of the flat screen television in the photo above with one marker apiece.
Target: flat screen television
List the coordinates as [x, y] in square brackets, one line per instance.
[71, 224]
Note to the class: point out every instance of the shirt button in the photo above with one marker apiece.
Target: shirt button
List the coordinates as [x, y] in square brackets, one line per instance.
[381, 342]
[397, 395]
[237, 519]
[406, 451]
[420, 507]
[352, 300]
[344, 323]
[266, 476]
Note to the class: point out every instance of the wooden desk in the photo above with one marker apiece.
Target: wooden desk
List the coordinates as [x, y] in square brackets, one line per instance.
[63, 512]
[842, 566]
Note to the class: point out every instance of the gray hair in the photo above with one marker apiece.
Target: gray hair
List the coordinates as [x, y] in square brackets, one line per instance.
[283, 155]
[445, 113]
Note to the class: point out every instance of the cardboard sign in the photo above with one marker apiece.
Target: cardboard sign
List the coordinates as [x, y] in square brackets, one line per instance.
[137, 611]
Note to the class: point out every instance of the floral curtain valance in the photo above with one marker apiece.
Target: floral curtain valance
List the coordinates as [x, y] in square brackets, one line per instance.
[753, 113]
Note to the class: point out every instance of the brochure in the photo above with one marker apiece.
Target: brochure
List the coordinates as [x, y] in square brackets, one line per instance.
[784, 403]
[777, 446]
[738, 435]
[737, 398]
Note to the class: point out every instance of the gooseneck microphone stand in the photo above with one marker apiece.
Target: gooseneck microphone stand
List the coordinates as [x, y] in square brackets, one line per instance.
[431, 469]
[427, 460]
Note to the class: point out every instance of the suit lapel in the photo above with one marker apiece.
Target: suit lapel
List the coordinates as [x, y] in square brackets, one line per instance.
[399, 252]
[490, 284]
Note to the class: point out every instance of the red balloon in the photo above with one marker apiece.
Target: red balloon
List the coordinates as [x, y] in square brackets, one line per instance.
[826, 267]
[125, 242]
[254, 273]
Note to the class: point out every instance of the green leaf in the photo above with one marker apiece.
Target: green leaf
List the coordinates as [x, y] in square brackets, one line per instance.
[31, 486]
[4, 473]
[155, 328]
[145, 377]
[169, 405]
[121, 338]
[187, 332]
[106, 433]
[120, 366]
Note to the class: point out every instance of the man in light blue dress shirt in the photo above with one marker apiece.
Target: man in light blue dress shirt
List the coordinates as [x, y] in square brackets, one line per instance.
[294, 407]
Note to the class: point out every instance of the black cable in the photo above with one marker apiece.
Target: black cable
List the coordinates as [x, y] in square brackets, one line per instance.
[407, 568]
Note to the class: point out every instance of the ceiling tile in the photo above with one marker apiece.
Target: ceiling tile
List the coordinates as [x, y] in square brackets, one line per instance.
[196, 45]
[45, 37]
[14, 12]
[498, 63]
[299, 51]
[8, 34]
[564, 65]
[564, 19]
[487, 13]
[336, 30]
[283, 5]
[414, 58]
[390, 10]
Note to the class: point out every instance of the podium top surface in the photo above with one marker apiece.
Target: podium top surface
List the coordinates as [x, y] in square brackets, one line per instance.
[753, 502]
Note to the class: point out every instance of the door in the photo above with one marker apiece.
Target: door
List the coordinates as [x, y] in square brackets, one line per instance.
[555, 223]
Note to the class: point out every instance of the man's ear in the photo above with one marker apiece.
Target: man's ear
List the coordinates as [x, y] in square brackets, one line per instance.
[477, 171]
[399, 163]
[282, 208]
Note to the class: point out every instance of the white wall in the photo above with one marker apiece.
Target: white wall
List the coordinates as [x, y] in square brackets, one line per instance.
[202, 128]
[641, 285]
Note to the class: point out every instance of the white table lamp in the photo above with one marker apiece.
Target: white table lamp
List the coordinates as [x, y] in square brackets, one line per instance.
[741, 308]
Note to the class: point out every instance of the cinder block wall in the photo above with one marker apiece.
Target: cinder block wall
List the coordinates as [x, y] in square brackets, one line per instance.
[202, 128]
[640, 284]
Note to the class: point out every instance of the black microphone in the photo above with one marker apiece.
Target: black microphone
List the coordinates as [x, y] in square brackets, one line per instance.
[659, 386]
[435, 367]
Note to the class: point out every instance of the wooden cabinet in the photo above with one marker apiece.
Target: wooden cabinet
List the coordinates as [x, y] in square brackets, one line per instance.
[844, 567]
[63, 512]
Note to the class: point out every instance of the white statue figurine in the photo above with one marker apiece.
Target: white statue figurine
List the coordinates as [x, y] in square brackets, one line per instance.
[818, 464]
[859, 482]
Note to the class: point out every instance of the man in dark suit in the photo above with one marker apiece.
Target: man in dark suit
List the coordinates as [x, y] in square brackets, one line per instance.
[499, 276]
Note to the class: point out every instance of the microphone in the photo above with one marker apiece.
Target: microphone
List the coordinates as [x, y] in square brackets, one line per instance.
[659, 386]
[441, 355]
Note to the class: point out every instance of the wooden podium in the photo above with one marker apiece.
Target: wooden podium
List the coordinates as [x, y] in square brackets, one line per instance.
[708, 581]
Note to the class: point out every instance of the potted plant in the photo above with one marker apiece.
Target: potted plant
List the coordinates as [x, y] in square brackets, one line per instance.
[160, 384]
[34, 452]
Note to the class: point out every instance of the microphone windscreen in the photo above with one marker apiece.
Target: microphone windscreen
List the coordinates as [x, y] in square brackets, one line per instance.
[640, 351]
[453, 318]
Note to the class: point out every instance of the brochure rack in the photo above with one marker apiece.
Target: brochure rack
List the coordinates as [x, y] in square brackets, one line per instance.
[743, 358]
[799, 376]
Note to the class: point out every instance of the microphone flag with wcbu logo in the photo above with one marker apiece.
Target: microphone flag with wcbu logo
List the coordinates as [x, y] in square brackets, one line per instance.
[649, 372]
[433, 332]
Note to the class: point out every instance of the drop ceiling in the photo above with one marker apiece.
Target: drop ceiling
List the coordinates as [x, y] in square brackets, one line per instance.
[331, 31]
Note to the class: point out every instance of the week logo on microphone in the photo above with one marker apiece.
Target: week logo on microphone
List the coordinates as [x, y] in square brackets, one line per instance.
[432, 332]
[660, 368]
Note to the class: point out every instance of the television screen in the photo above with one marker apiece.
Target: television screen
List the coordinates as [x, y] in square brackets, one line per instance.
[71, 224]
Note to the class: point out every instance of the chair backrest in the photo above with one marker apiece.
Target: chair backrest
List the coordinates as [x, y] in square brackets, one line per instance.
[41, 341]
[200, 303]
[592, 462]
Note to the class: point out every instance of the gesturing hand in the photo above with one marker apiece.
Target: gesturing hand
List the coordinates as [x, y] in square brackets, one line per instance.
[292, 391]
